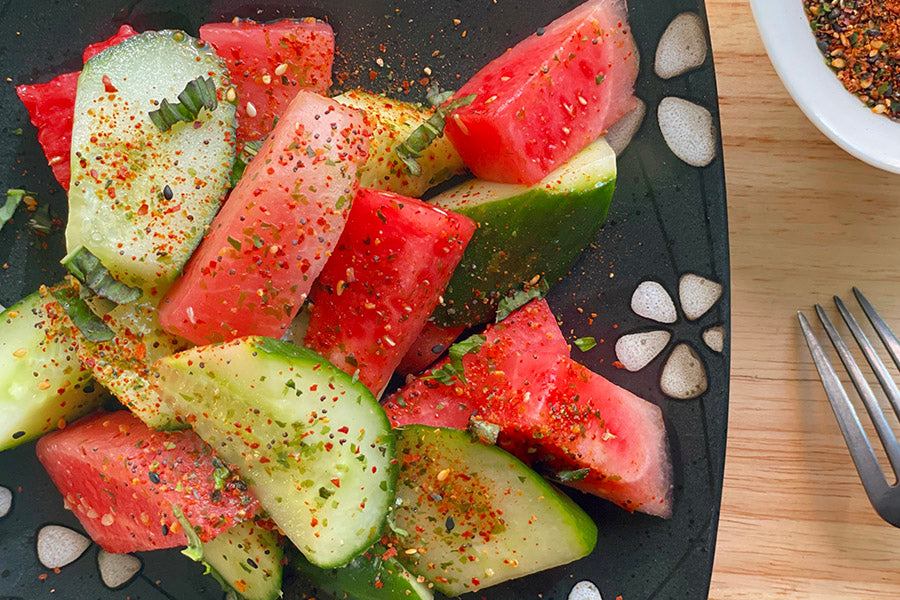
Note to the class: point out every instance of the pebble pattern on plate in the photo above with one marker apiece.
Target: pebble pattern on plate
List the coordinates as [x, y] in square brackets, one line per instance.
[58, 546]
[684, 373]
[116, 570]
[6, 498]
[585, 590]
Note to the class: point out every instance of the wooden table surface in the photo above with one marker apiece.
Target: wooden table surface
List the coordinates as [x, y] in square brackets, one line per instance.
[806, 221]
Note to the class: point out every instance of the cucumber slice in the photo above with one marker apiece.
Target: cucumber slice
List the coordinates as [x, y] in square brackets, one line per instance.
[119, 206]
[391, 122]
[313, 444]
[124, 364]
[41, 380]
[247, 559]
[524, 231]
[366, 577]
[476, 516]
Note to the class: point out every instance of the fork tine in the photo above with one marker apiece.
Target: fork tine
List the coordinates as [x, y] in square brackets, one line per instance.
[888, 439]
[881, 372]
[860, 449]
[884, 332]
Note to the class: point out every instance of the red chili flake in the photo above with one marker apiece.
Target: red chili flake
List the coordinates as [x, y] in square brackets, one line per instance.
[336, 482]
[108, 86]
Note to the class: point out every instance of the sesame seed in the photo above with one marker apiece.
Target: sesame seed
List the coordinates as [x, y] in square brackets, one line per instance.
[281, 69]
[251, 110]
[20, 352]
[231, 95]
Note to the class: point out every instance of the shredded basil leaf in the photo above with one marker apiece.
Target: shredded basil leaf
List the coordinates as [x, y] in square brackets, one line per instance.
[585, 343]
[40, 220]
[88, 269]
[13, 198]
[89, 324]
[509, 304]
[243, 159]
[577, 475]
[198, 94]
[455, 368]
[411, 149]
[435, 97]
[484, 431]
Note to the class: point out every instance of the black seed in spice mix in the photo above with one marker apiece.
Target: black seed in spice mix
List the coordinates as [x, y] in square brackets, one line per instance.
[861, 42]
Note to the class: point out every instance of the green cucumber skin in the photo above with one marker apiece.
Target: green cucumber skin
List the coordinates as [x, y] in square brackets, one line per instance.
[564, 531]
[357, 580]
[227, 555]
[204, 387]
[535, 233]
[29, 411]
[120, 167]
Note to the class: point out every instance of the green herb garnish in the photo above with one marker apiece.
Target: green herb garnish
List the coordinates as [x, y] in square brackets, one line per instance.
[411, 149]
[455, 368]
[585, 343]
[577, 475]
[13, 198]
[243, 159]
[89, 324]
[88, 269]
[509, 304]
[40, 220]
[198, 94]
[484, 431]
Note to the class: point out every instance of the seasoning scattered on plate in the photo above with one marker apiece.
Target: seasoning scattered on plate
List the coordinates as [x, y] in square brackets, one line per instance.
[861, 42]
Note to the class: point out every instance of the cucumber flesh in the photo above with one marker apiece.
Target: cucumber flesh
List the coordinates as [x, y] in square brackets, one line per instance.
[391, 121]
[246, 558]
[524, 232]
[314, 445]
[476, 516]
[41, 380]
[366, 577]
[119, 207]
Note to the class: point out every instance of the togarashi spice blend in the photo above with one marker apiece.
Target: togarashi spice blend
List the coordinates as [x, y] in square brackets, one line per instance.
[861, 42]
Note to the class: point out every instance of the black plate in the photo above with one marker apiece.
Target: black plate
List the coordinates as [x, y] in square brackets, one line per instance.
[667, 219]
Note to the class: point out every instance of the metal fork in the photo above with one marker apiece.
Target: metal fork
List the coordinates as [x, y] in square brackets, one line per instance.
[885, 497]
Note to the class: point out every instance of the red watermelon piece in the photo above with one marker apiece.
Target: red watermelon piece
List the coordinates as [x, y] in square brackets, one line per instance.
[540, 103]
[125, 32]
[383, 281]
[428, 347]
[514, 349]
[121, 479]
[253, 270]
[570, 419]
[255, 53]
[51, 108]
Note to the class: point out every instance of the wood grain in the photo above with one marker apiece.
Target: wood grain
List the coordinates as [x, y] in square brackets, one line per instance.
[806, 221]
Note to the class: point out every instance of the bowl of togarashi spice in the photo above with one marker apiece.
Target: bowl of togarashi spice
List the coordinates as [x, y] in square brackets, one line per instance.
[840, 61]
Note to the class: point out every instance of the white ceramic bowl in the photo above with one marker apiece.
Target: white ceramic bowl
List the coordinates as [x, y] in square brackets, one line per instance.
[839, 114]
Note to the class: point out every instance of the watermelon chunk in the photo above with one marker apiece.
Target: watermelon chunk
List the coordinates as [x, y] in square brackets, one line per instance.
[125, 32]
[570, 419]
[51, 109]
[382, 282]
[255, 53]
[121, 479]
[255, 267]
[552, 413]
[552, 94]
[428, 347]
[514, 349]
